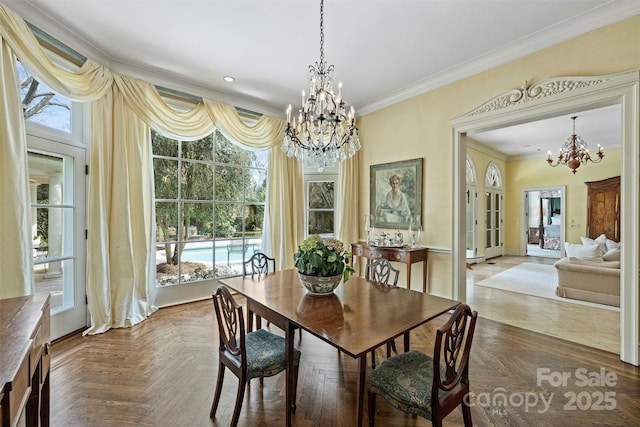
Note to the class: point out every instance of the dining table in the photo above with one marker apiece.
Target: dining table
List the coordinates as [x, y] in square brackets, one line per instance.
[358, 317]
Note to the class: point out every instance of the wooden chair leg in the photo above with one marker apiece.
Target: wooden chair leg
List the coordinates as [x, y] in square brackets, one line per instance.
[242, 384]
[372, 408]
[295, 387]
[216, 395]
[466, 414]
[373, 359]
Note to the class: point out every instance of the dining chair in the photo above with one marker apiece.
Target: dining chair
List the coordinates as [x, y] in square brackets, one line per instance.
[430, 387]
[382, 271]
[249, 355]
[259, 263]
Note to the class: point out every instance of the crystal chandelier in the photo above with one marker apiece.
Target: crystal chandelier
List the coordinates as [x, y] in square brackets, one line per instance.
[574, 152]
[323, 134]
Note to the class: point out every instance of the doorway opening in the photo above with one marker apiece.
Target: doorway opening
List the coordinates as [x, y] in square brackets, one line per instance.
[544, 222]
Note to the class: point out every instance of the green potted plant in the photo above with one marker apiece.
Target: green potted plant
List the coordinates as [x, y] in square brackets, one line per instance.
[322, 264]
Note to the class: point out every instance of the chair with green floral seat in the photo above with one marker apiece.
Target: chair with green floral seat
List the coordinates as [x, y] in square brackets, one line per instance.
[250, 355]
[430, 387]
[382, 271]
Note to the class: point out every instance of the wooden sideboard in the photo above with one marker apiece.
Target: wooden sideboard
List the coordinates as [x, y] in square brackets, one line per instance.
[405, 255]
[25, 341]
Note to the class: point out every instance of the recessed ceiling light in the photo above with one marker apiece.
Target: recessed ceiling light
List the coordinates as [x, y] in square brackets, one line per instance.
[228, 79]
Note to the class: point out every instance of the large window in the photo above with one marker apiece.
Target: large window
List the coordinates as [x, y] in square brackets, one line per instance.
[209, 200]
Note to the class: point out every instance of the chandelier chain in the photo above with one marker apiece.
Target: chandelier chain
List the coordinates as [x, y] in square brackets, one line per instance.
[321, 31]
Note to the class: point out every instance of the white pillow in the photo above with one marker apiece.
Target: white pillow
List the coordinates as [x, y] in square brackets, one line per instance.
[601, 241]
[555, 220]
[611, 245]
[612, 255]
[583, 251]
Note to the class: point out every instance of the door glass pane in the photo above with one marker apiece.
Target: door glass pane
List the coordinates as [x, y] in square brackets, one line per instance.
[470, 219]
[52, 223]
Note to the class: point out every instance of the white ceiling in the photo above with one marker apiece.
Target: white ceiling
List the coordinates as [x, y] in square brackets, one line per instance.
[384, 51]
[598, 126]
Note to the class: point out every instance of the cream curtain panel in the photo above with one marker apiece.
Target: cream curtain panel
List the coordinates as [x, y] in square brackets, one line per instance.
[121, 221]
[348, 204]
[285, 207]
[16, 265]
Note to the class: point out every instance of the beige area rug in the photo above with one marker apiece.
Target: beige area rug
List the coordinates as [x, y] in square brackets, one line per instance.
[538, 280]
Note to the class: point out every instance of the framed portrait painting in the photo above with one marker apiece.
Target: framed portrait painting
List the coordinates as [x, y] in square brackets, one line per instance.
[396, 193]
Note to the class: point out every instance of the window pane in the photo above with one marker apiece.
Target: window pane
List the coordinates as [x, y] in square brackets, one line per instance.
[229, 183]
[320, 222]
[258, 159]
[162, 146]
[198, 220]
[165, 178]
[254, 215]
[256, 185]
[196, 262]
[227, 152]
[196, 181]
[201, 149]
[321, 195]
[41, 105]
[228, 220]
[166, 221]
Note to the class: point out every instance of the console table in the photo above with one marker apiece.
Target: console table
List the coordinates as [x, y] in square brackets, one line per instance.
[405, 255]
[25, 341]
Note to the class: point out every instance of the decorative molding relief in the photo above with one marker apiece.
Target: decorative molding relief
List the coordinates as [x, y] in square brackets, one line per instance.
[544, 89]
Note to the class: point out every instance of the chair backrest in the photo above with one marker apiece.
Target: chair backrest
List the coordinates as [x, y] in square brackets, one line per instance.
[382, 271]
[450, 387]
[230, 325]
[258, 264]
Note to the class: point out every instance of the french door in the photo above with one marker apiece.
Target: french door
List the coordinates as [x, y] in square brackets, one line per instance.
[57, 194]
[493, 221]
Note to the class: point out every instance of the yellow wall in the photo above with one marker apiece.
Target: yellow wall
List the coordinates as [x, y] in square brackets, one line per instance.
[537, 173]
[421, 126]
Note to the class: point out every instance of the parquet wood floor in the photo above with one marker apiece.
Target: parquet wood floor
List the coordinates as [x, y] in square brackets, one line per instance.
[162, 373]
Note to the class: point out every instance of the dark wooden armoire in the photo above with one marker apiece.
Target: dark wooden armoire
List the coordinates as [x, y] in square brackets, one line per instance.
[603, 208]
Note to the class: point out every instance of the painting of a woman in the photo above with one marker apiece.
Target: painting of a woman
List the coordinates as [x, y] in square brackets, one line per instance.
[395, 206]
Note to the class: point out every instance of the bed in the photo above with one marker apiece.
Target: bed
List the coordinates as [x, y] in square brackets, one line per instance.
[551, 234]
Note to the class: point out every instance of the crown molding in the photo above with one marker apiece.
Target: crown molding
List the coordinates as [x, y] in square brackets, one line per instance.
[612, 12]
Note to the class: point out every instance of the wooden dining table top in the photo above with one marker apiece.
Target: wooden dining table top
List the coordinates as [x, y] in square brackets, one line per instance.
[359, 316]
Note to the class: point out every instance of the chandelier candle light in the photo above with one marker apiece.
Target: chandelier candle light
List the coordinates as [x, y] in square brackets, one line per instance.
[324, 134]
[574, 152]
